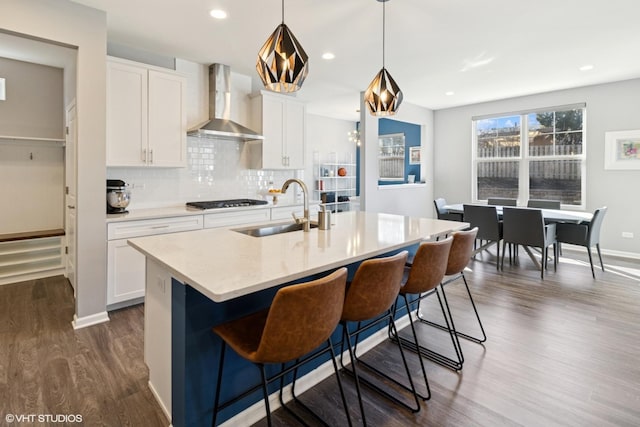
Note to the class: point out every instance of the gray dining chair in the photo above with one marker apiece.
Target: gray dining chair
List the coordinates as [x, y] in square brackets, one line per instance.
[501, 201]
[586, 235]
[543, 204]
[488, 223]
[443, 213]
[523, 226]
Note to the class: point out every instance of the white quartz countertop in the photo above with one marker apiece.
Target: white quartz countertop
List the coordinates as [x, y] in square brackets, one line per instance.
[224, 264]
[182, 210]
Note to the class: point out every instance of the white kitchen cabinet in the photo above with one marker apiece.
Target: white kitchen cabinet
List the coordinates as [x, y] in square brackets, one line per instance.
[239, 217]
[125, 265]
[146, 115]
[284, 212]
[281, 119]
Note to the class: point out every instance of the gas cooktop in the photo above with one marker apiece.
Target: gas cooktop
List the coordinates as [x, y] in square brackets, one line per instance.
[231, 203]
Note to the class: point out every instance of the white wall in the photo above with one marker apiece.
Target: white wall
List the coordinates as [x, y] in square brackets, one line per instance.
[413, 201]
[610, 107]
[32, 171]
[34, 103]
[85, 28]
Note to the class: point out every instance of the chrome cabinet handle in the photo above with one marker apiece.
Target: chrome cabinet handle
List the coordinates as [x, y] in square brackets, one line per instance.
[71, 207]
[144, 155]
[151, 155]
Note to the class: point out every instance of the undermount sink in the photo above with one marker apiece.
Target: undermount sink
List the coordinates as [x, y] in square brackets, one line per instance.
[271, 229]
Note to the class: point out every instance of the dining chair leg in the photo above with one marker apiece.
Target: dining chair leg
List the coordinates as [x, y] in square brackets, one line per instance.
[504, 244]
[593, 272]
[600, 256]
[543, 262]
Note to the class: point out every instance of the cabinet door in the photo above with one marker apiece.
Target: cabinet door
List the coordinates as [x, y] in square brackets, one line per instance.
[167, 120]
[294, 135]
[273, 111]
[126, 115]
[125, 272]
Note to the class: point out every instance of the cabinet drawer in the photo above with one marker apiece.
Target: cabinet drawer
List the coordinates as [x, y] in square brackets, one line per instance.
[225, 219]
[148, 227]
[284, 212]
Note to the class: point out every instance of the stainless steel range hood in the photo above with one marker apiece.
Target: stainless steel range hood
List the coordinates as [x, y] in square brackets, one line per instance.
[220, 126]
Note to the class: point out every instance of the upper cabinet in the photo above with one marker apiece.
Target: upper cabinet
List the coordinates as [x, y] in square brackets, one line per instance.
[146, 115]
[281, 119]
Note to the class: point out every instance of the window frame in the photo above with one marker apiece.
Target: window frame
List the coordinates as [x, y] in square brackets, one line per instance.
[524, 159]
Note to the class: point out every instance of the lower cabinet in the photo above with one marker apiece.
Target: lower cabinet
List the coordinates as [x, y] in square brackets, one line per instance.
[226, 219]
[125, 265]
[126, 273]
[285, 212]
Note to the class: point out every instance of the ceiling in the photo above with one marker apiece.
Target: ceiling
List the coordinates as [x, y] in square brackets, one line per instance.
[479, 50]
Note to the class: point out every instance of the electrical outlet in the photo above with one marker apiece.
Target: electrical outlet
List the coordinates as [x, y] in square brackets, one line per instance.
[161, 285]
[627, 234]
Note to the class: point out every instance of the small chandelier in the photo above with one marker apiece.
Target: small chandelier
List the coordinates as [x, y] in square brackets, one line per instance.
[282, 62]
[383, 96]
[354, 136]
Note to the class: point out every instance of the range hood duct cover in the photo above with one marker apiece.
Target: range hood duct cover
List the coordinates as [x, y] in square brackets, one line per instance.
[220, 126]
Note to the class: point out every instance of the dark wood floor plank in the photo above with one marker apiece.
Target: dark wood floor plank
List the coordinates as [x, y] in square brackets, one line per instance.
[562, 351]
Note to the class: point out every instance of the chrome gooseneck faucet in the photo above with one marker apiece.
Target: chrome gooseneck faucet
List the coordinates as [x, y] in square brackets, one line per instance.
[306, 223]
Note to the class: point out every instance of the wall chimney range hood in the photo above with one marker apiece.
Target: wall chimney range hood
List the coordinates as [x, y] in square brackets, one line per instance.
[220, 126]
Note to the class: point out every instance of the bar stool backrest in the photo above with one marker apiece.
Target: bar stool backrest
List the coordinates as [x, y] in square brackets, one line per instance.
[461, 250]
[302, 317]
[428, 267]
[374, 287]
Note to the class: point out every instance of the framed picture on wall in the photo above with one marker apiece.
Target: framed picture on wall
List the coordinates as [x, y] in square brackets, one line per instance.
[414, 155]
[622, 150]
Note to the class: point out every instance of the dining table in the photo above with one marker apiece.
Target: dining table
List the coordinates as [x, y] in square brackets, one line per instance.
[549, 215]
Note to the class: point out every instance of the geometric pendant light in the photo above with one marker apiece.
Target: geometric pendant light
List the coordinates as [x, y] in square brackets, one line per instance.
[282, 62]
[383, 96]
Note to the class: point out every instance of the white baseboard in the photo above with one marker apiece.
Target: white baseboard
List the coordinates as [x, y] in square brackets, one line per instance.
[94, 319]
[610, 252]
[256, 412]
[166, 411]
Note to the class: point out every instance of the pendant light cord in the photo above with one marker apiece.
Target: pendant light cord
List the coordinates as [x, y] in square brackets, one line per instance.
[283, 11]
[383, 27]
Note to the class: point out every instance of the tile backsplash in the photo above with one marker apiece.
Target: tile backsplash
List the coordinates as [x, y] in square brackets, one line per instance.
[216, 169]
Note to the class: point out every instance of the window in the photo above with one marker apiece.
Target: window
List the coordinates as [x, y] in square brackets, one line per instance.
[2, 90]
[531, 155]
[391, 157]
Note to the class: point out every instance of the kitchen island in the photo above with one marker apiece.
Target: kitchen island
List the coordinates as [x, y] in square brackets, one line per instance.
[197, 279]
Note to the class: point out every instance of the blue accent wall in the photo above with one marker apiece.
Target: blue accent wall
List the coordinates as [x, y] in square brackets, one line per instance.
[412, 139]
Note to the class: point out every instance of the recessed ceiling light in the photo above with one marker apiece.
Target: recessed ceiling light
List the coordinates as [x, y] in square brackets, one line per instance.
[586, 67]
[328, 55]
[218, 13]
[450, 93]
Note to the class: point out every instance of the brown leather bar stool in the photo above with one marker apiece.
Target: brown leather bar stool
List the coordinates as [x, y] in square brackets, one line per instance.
[300, 319]
[424, 276]
[371, 296]
[459, 255]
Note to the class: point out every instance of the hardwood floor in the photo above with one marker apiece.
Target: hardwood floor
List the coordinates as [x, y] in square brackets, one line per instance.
[562, 351]
[48, 368]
